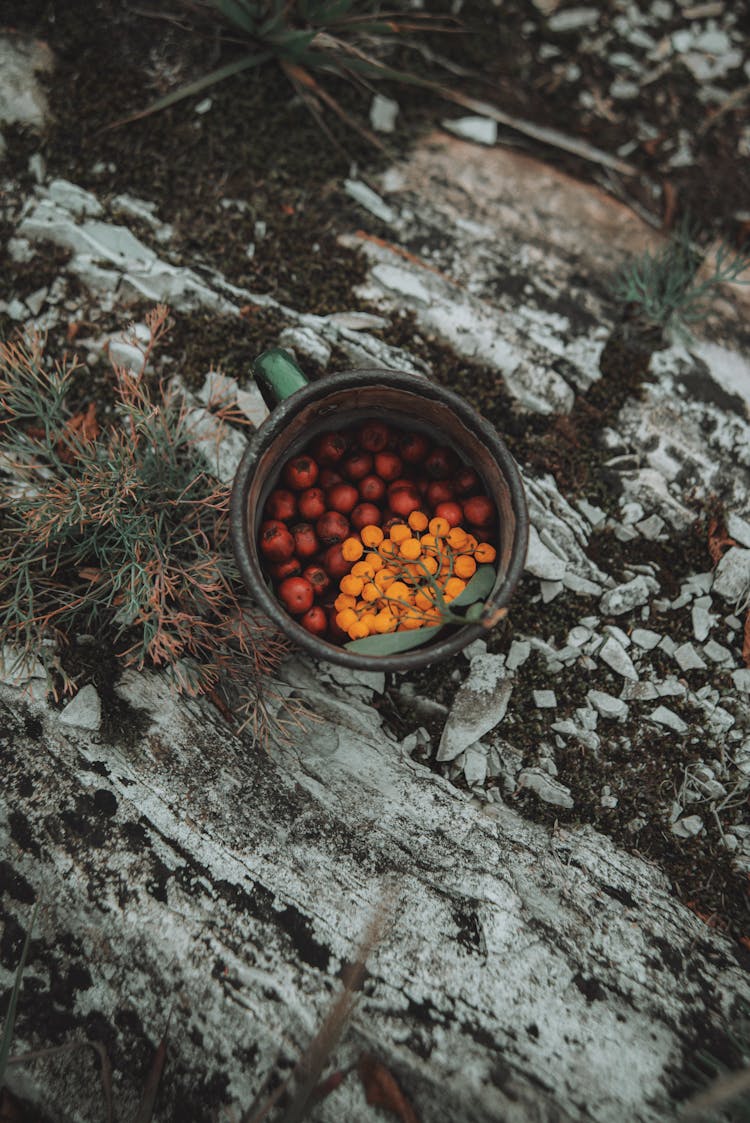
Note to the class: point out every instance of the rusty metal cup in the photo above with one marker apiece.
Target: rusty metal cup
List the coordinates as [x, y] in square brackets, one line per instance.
[301, 410]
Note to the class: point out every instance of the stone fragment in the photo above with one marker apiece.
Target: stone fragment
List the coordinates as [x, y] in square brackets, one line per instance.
[668, 718]
[638, 692]
[545, 787]
[739, 529]
[475, 764]
[17, 668]
[518, 654]
[688, 659]
[732, 575]
[370, 200]
[625, 533]
[741, 680]
[586, 737]
[544, 699]
[703, 620]
[541, 562]
[84, 711]
[581, 586]
[617, 633]
[307, 342]
[717, 653]
[688, 827]
[622, 90]
[22, 97]
[667, 644]
[478, 707]
[645, 638]
[578, 635]
[616, 657]
[624, 598]
[595, 515]
[651, 527]
[572, 19]
[222, 446]
[607, 705]
[482, 130]
[383, 114]
[73, 198]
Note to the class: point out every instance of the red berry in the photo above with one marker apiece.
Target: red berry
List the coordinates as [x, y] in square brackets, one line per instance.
[276, 543]
[312, 503]
[404, 501]
[328, 477]
[484, 534]
[335, 564]
[441, 463]
[332, 527]
[439, 491]
[329, 448]
[374, 436]
[466, 481]
[413, 448]
[301, 472]
[372, 489]
[281, 504]
[296, 594]
[422, 483]
[315, 620]
[343, 498]
[402, 481]
[479, 511]
[366, 514]
[358, 466]
[305, 542]
[451, 512]
[280, 570]
[318, 578]
[336, 634]
[388, 465]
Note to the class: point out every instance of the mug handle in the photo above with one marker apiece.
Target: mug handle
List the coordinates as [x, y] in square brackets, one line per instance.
[277, 376]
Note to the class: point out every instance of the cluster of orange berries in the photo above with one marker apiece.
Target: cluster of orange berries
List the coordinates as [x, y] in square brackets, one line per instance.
[390, 587]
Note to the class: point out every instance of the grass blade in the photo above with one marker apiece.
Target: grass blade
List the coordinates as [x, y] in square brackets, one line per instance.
[10, 1017]
[145, 1110]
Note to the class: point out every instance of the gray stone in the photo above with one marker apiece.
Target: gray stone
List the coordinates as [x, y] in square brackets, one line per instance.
[35, 301]
[370, 200]
[73, 198]
[37, 167]
[482, 130]
[222, 446]
[741, 680]
[671, 687]
[586, 737]
[17, 668]
[478, 707]
[541, 562]
[475, 764]
[688, 658]
[550, 590]
[624, 598]
[732, 576]
[625, 533]
[616, 657]
[622, 90]
[703, 620]
[595, 515]
[645, 638]
[572, 19]
[688, 827]
[251, 402]
[518, 654]
[739, 529]
[22, 97]
[306, 342]
[651, 527]
[544, 699]
[617, 633]
[669, 719]
[545, 787]
[84, 711]
[717, 653]
[667, 644]
[383, 114]
[638, 692]
[607, 705]
[581, 586]
[578, 635]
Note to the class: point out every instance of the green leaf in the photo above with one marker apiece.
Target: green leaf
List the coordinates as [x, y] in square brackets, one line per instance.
[240, 14]
[479, 588]
[293, 42]
[391, 643]
[474, 611]
[10, 1017]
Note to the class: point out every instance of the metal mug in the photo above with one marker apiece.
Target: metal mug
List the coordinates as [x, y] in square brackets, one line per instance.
[300, 410]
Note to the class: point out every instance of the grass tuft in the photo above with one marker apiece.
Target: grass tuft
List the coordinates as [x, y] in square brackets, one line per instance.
[119, 530]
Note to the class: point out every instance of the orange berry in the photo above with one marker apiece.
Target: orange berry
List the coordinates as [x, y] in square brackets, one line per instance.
[385, 621]
[375, 562]
[430, 564]
[453, 586]
[485, 553]
[370, 592]
[464, 566]
[439, 527]
[344, 601]
[400, 532]
[409, 621]
[387, 548]
[352, 549]
[418, 520]
[371, 535]
[457, 538]
[424, 599]
[358, 630]
[384, 578]
[352, 586]
[470, 545]
[346, 618]
[410, 549]
[397, 591]
[428, 542]
[362, 569]
[369, 619]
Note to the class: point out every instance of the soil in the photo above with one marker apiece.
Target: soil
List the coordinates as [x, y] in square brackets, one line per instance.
[259, 147]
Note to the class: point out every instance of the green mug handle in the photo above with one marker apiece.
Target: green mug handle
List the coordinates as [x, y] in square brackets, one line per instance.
[277, 376]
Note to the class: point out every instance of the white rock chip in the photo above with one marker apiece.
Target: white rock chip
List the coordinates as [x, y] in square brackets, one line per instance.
[624, 598]
[739, 529]
[571, 19]
[544, 699]
[703, 619]
[475, 764]
[541, 562]
[369, 199]
[639, 692]
[482, 130]
[616, 657]
[651, 527]
[741, 679]
[717, 653]
[84, 711]
[688, 658]
[383, 114]
[478, 707]
[664, 716]
[307, 342]
[688, 827]
[520, 649]
[22, 98]
[645, 638]
[545, 787]
[16, 669]
[732, 578]
[581, 586]
[606, 705]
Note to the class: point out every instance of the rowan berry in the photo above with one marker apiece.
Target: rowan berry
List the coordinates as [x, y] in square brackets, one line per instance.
[371, 535]
[439, 527]
[296, 594]
[418, 521]
[365, 514]
[372, 489]
[315, 620]
[300, 473]
[374, 436]
[305, 543]
[345, 618]
[329, 448]
[388, 465]
[312, 503]
[352, 549]
[464, 566]
[400, 532]
[410, 549]
[357, 466]
[331, 528]
[276, 543]
[413, 447]
[479, 511]
[385, 621]
[342, 498]
[451, 512]
[351, 585]
[484, 553]
[453, 587]
[358, 630]
[281, 504]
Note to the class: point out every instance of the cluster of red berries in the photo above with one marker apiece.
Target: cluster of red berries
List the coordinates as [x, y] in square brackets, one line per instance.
[371, 475]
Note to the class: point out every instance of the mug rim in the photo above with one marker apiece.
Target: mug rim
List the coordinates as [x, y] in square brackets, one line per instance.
[267, 433]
